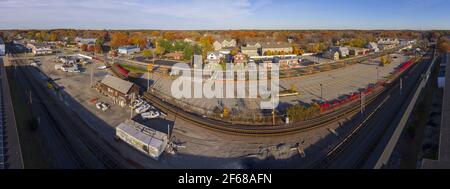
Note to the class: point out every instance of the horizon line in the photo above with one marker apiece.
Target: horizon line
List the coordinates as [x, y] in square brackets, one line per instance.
[244, 29]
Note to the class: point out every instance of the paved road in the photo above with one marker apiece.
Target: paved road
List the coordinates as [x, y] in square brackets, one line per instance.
[359, 146]
[83, 147]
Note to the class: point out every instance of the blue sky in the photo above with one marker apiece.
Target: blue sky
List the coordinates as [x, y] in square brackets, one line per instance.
[225, 14]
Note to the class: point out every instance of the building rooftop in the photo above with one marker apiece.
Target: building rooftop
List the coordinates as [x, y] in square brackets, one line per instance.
[248, 48]
[117, 84]
[444, 138]
[128, 47]
[275, 45]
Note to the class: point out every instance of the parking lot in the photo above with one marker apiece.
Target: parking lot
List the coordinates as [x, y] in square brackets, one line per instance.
[202, 148]
[335, 83]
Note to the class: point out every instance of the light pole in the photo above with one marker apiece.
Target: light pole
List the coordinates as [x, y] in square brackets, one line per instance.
[321, 94]
[377, 74]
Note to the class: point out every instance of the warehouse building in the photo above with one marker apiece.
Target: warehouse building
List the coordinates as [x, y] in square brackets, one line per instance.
[2, 47]
[130, 49]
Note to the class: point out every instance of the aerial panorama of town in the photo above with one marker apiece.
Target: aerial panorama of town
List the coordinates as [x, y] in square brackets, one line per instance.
[161, 87]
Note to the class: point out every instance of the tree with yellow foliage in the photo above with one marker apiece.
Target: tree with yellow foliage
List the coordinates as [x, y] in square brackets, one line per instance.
[226, 112]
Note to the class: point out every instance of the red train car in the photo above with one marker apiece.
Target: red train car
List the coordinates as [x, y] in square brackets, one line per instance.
[122, 70]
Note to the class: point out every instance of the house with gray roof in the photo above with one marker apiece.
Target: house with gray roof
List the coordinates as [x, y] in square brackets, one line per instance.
[224, 43]
[121, 91]
[276, 47]
[343, 51]
[250, 51]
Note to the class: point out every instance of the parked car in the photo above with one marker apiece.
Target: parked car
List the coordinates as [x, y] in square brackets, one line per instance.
[102, 67]
[136, 103]
[143, 108]
[150, 115]
[103, 106]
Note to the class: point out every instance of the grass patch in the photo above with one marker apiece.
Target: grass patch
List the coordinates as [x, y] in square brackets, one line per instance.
[134, 69]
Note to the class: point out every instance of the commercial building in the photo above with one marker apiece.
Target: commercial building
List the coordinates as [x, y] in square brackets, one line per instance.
[40, 48]
[269, 48]
[85, 41]
[130, 49]
[122, 92]
[2, 47]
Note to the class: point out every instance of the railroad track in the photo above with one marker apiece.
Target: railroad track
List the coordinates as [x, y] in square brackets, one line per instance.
[259, 131]
[91, 145]
[346, 142]
[351, 109]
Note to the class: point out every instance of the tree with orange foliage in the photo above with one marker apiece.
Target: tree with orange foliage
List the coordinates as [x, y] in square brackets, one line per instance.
[138, 39]
[98, 48]
[84, 47]
[119, 39]
[90, 48]
[53, 37]
[443, 45]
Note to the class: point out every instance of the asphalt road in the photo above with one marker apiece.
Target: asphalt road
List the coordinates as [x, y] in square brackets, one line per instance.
[360, 145]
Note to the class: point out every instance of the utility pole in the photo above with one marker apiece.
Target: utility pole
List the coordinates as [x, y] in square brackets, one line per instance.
[131, 112]
[401, 84]
[377, 75]
[321, 94]
[31, 99]
[362, 102]
[273, 112]
[92, 73]
[168, 131]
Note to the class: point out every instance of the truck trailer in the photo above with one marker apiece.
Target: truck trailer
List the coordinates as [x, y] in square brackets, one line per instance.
[148, 141]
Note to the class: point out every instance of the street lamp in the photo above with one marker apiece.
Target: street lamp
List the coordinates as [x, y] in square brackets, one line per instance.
[377, 74]
[321, 94]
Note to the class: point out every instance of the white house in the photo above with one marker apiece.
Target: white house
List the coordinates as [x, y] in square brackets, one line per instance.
[224, 43]
[80, 41]
[372, 46]
[215, 55]
[131, 49]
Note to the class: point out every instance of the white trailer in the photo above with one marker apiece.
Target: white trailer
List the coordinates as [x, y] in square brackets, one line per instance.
[147, 140]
